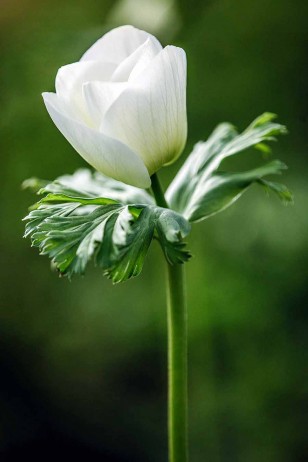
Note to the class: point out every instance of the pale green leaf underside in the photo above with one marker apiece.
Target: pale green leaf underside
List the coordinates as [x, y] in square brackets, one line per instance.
[72, 227]
[199, 190]
[86, 184]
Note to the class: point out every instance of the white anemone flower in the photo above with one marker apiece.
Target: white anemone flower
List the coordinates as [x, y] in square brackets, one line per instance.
[123, 105]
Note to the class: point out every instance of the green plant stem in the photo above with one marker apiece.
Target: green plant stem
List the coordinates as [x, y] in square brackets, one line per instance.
[177, 352]
[158, 192]
[177, 365]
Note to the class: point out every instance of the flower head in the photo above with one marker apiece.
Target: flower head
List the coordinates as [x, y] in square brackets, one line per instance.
[123, 105]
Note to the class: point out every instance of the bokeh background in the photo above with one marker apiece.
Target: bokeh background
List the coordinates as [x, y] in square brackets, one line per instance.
[83, 363]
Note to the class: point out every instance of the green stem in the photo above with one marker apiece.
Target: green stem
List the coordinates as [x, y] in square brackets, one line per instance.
[158, 192]
[177, 365]
[177, 352]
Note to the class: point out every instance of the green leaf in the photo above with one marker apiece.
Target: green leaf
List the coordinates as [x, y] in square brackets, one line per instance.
[63, 198]
[70, 240]
[72, 228]
[280, 189]
[131, 240]
[86, 184]
[199, 190]
[223, 189]
[37, 217]
[172, 228]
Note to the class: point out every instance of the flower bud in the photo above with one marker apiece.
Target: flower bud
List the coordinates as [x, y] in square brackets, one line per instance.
[123, 105]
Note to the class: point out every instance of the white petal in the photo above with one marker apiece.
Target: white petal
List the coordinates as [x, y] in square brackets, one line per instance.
[117, 44]
[150, 116]
[137, 61]
[107, 155]
[99, 96]
[70, 79]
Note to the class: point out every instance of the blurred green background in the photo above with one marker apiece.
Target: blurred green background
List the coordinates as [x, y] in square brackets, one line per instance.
[83, 363]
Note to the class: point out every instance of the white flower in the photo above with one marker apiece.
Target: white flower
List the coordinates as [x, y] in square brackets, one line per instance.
[123, 105]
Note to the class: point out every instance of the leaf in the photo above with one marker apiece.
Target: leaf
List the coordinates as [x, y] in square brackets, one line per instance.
[70, 240]
[37, 217]
[223, 189]
[132, 240]
[199, 190]
[72, 229]
[172, 228]
[280, 189]
[63, 198]
[85, 184]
